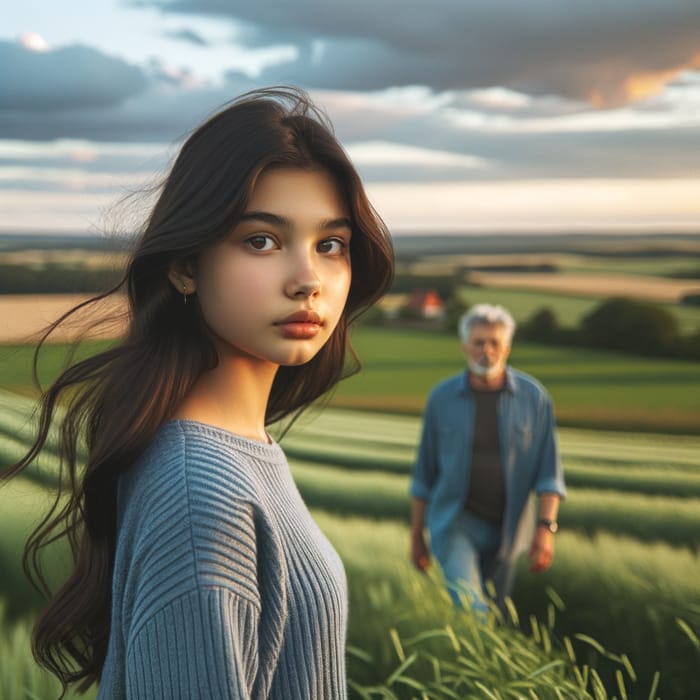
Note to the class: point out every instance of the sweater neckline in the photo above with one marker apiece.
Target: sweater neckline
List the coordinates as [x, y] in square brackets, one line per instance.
[271, 450]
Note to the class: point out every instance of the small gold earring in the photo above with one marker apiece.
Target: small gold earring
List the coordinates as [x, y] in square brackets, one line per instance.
[184, 293]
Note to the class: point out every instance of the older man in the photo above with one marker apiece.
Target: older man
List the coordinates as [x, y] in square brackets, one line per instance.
[487, 449]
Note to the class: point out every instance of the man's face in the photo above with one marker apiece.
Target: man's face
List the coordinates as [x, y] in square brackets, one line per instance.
[487, 350]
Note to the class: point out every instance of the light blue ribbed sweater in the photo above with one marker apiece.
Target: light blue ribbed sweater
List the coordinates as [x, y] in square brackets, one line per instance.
[224, 586]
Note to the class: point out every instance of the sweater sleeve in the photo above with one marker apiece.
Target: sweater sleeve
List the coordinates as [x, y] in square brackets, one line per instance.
[200, 645]
[193, 596]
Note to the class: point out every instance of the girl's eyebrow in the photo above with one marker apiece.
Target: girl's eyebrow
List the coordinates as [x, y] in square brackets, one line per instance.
[282, 221]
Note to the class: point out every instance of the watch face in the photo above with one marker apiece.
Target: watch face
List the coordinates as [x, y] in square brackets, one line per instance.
[551, 525]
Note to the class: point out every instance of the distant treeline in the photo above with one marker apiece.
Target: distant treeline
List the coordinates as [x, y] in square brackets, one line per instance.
[56, 278]
[627, 325]
[66, 241]
[443, 284]
[416, 247]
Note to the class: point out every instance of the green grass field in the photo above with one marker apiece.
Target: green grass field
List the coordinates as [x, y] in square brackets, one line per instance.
[627, 566]
[386, 595]
[654, 266]
[590, 388]
[16, 363]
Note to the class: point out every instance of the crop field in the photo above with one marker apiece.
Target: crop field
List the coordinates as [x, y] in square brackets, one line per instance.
[590, 284]
[617, 616]
[653, 266]
[580, 281]
[657, 265]
[574, 287]
[628, 563]
[26, 315]
[590, 388]
[569, 308]
[621, 602]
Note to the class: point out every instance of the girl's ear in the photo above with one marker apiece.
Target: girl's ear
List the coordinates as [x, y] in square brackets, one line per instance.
[181, 276]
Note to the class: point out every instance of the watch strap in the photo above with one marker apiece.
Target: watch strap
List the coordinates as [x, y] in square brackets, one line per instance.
[551, 525]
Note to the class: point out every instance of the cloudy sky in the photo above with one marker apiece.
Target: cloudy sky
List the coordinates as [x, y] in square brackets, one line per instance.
[469, 115]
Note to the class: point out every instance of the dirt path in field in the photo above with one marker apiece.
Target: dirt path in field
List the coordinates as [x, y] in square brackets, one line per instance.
[593, 285]
[23, 317]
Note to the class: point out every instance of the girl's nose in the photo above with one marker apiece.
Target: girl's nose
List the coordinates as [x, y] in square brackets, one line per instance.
[304, 289]
[304, 282]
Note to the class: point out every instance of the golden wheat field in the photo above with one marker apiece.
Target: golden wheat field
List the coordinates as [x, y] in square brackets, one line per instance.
[25, 316]
[595, 285]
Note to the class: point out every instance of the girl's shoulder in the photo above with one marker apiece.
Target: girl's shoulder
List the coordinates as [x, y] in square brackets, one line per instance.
[204, 443]
[187, 459]
[191, 516]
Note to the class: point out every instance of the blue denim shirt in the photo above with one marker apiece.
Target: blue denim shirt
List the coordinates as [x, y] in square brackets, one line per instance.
[529, 454]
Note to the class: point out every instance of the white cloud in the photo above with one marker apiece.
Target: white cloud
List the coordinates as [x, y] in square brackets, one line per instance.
[34, 42]
[69, 179]
[500, 99]
[387, 153]
[72, 148]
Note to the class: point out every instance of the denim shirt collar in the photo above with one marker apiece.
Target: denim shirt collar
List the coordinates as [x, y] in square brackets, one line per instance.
[510, 385]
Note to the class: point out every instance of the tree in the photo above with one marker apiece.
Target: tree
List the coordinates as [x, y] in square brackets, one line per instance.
[455, 308]
[691, 347]
[692, 298]
[542, 326]
[632, 325]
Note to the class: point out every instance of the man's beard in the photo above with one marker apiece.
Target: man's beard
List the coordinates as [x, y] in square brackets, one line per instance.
[484, 371]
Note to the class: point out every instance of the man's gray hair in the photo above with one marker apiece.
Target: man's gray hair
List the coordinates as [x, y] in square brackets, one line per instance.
[487, 314]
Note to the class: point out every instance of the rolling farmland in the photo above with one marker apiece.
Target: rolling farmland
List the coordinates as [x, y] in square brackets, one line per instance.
[590, 388]
[622, 600]
[627, 568]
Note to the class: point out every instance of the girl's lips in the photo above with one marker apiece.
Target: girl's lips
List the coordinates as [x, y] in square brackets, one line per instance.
[299, 330]
[304, 316]
[301, 325]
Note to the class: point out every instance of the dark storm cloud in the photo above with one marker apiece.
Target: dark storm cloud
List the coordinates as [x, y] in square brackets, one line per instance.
[597, 50]
[69, 78]
[363, 64]
[523, 146]
[159, 116]
[156, 116]
[507, 153]
[78, 92]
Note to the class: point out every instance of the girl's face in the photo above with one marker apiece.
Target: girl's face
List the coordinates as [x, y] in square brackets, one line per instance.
[275, 288]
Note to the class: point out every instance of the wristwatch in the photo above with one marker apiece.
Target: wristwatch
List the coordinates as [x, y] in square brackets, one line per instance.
[551, 525]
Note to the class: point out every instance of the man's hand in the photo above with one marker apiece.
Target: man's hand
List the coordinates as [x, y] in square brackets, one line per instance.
[420, 555]
[542, 550]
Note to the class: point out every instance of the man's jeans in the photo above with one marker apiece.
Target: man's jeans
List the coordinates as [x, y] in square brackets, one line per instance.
[471, 560]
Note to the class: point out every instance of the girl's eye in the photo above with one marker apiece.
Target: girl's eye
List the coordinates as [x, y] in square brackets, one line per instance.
[332, 246]
[261, 242]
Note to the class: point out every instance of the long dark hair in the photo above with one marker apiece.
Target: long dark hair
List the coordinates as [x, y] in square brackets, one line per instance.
[115, 401]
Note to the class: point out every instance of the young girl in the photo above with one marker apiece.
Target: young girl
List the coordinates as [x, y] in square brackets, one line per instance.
[199, 572]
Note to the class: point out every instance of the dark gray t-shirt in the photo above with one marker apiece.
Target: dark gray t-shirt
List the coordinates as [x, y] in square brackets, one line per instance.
[486, 495]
